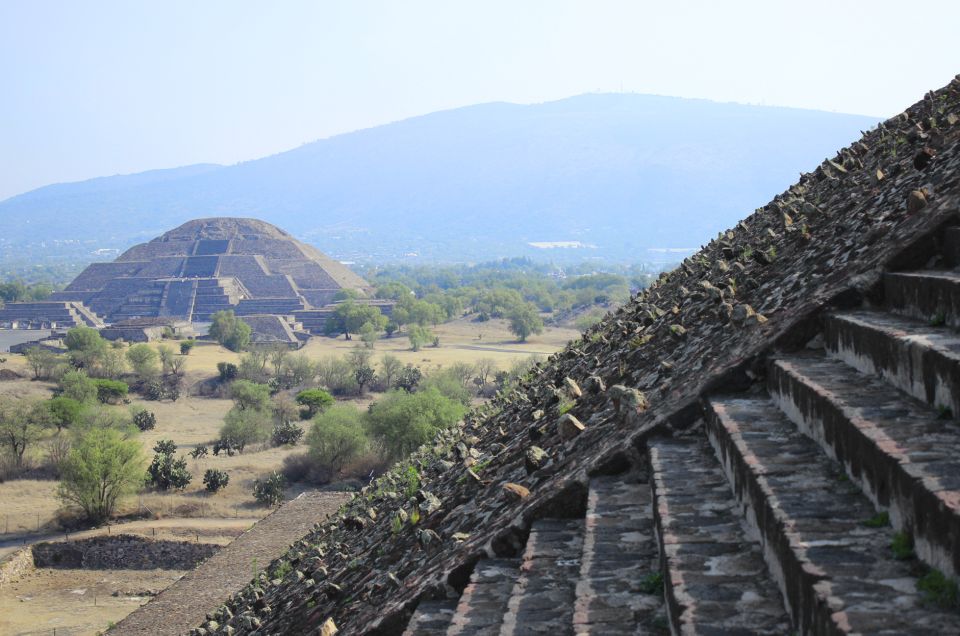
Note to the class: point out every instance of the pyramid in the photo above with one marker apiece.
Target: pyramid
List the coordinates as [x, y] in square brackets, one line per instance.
[765, 441]
[208, 265]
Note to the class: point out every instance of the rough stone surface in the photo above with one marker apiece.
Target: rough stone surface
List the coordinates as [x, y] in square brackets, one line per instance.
[846, 228]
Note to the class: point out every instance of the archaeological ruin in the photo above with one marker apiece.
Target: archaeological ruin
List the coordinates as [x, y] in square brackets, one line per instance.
[189, 273]
[763, 442]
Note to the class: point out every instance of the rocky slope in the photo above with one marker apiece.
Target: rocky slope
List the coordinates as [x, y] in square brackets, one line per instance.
[416, 534]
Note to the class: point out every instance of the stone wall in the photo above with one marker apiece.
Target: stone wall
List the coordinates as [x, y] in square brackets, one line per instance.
[121, 552]
[13, 568]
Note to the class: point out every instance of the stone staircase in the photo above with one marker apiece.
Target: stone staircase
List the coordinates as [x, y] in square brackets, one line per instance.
[823, 500]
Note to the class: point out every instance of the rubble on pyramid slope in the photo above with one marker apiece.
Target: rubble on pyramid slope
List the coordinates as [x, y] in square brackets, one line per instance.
[417, 533]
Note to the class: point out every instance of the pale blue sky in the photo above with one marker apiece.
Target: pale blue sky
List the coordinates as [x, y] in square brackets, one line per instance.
[96, 88]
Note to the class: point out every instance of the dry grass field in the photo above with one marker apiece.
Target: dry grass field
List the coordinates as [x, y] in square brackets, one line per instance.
[194, 420]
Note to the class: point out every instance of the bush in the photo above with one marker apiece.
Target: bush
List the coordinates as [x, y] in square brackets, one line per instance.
[269, 490]
[409, 378]
[286, 434]
[187, 346]
[230, 331]
[337, 437]
[215, 480]
[227, 370]
[111, 391]
[301, 468]
[199, 452]
[313, 401]
[401, 422]
[166, 472]
[103, 466]
[144, 420]
[143, 360]
[242, 427]
[77, 386]
[250, 395]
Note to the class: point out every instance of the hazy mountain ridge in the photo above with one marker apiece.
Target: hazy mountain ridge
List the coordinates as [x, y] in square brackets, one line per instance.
[623, 172]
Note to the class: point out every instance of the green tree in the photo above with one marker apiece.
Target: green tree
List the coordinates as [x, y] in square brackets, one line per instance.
[418, 336]
[111, 391]
[401, 422]
[167, 357]
[42, 362]
[350, 316]
[64, 411]
[314, 401]
[230, 331]
[187, 346]
[250, 395]
[143, 361]
[85, 347]
[524, 321]
[21, 425]
[244, 427]
[103, 466]
[76, 385]
[390, 367]
[336, 437]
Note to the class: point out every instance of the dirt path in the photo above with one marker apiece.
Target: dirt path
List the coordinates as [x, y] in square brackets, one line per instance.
[185, 604]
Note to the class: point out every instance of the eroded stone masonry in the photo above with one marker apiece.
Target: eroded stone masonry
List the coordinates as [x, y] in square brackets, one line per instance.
[762, 442]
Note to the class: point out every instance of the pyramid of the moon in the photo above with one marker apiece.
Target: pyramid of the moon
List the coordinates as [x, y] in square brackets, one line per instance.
[208, 265]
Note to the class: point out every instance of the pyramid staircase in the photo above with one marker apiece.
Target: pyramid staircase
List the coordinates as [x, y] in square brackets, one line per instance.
[823, 500]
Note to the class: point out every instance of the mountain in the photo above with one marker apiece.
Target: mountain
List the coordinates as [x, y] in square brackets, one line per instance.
[621, 176]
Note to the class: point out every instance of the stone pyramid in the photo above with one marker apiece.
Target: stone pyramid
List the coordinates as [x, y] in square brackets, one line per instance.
[207, 265]
[763, 442]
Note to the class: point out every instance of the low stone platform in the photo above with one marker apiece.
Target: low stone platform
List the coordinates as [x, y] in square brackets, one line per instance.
[184, 604]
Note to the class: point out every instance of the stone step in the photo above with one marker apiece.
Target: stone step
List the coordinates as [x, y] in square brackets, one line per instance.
[432, 618]
[542, 599]
[926, 295]
[615, 594]
[715, 579]
[484, 601]
[921, 360]
[838, 574]
[903, 456]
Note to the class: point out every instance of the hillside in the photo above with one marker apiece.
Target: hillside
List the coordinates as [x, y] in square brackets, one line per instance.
[624, 173]
[539, 510]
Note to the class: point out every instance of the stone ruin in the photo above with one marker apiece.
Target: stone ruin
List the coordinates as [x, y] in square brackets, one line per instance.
[209, 265]
[763, 442]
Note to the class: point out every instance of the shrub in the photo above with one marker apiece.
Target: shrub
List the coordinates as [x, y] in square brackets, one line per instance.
[227, 370]
[166, 472]
[77, 386]
[111, 391]
[199, 452]
[144, 420]
[409, 378]
[269, 490]
[401, 422]
[103, 466]
[313, 401]
[286, 434]
[337, 437]
[230, 331]
[143, 360]
[242, 427]
[250, 395]
[215, 480]
[64, 411]
[187, 346]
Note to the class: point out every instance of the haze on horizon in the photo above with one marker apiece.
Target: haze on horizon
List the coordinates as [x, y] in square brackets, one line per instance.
[108, 87]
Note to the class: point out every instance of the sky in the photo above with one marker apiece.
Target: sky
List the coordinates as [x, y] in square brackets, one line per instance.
[97, 88]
